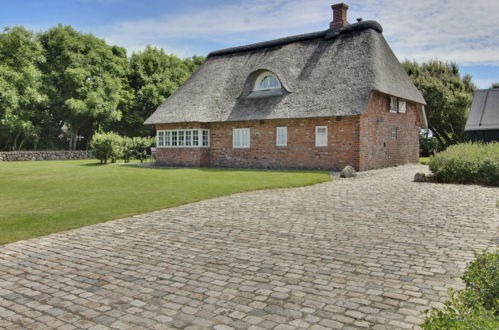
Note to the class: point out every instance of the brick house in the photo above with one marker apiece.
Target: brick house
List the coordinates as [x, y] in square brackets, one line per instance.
[320, 100]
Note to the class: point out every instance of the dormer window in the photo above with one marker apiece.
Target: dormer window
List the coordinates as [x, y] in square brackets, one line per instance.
[266, 81]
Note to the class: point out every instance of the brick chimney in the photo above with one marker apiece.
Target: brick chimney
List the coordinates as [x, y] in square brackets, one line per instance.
[339, 16]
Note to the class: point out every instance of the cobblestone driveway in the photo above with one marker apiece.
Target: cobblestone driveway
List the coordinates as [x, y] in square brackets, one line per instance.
[374, 251]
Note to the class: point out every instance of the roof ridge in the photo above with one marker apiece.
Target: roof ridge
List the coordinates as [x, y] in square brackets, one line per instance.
[327, 34]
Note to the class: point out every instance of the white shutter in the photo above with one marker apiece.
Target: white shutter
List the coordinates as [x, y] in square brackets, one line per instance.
[241, 138]
[321, 136]
[402, 106]
[393, 104]
[282, 136]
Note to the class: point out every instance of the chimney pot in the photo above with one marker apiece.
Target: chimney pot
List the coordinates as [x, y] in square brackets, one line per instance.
[339, 16]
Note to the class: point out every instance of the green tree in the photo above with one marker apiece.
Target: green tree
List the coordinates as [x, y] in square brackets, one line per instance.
[495, 85]
[85, 80]
[154, 76]
[20, 84]
[448, 97]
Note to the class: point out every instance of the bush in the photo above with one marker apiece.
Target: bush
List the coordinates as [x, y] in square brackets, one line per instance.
[482, 276]
[475, 307]
[467, 163]
[128, 148]
[140, 147]
[105, 146]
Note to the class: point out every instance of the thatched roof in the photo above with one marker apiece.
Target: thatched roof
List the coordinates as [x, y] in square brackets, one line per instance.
[484, 114]
[326, 73]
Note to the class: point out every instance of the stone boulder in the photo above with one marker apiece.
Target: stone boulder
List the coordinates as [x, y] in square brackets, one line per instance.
[348, 172]
[420, 177]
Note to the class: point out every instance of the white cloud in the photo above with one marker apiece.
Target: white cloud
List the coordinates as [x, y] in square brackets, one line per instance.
[463, 31]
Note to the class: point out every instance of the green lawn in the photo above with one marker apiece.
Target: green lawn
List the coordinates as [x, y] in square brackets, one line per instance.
[38, 198]
[424, 160]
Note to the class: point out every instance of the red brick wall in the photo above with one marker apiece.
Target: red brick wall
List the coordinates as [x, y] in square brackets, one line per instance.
[364, 142]
[301, 152]
[195, 157]
[378, 148]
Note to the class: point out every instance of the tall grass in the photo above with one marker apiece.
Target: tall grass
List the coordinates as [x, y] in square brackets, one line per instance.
[470, 162]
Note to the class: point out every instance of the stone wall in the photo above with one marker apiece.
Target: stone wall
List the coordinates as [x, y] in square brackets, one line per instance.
[44, 155]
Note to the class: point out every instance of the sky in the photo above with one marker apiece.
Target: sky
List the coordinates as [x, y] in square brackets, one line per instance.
[465, 32]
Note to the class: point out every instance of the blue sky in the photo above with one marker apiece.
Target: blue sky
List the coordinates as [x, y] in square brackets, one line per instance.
[466, 32]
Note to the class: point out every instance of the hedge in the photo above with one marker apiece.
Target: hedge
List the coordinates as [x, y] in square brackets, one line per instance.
[471, 162]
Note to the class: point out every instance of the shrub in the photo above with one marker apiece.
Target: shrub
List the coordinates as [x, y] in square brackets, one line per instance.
[482, 276]
[105, 146]
[467, 163]
[128, 148]
[475, 307]
[140, 147]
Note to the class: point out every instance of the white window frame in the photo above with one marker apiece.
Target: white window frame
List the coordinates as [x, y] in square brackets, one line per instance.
[171, 135]
[281, 136]
[394, 132]
[261, 77]
[393, 104]
[238, 135]
[318, 139]
[402, 106]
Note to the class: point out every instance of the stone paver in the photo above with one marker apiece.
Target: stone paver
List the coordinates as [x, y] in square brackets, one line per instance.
[370, 252]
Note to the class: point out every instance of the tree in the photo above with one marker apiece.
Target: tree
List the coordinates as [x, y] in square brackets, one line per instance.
[20, 84]
[154, 76]
[495, 85]
[85, 80]
[448, 97]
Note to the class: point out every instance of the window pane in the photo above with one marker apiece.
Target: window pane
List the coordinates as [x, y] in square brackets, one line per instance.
[206, 137]
[161, 140]
[168, 140]
[241, 138]
[402, 106]
[174, 138]
[273, 82]
[181, 138]
[321, 136]
[188, 138]
[393, 104]
[282, 136]
[264, 84]
[235, 137]
[195, 137]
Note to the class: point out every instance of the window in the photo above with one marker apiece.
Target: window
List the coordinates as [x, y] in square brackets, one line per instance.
[394, 132]
[168, 139]
[397, 105]
[183, 138]
[393, 104]
[282, 136]
[267, 80]
[206, 138]
[195, 137]
[188, 138]
[241, 137]
[161, 138]
[321, 136]
[174, 138]
[402, 106]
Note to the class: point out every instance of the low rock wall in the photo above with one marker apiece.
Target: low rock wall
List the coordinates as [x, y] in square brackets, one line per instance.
[44, 155]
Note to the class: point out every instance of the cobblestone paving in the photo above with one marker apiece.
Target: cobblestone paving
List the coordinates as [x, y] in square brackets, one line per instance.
[374, 251]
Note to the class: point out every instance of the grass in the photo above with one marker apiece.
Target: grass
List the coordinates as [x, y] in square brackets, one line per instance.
[424, 160]
[43, 197]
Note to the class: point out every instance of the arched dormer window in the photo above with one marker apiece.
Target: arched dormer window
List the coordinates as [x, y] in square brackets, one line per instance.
[265, 81]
